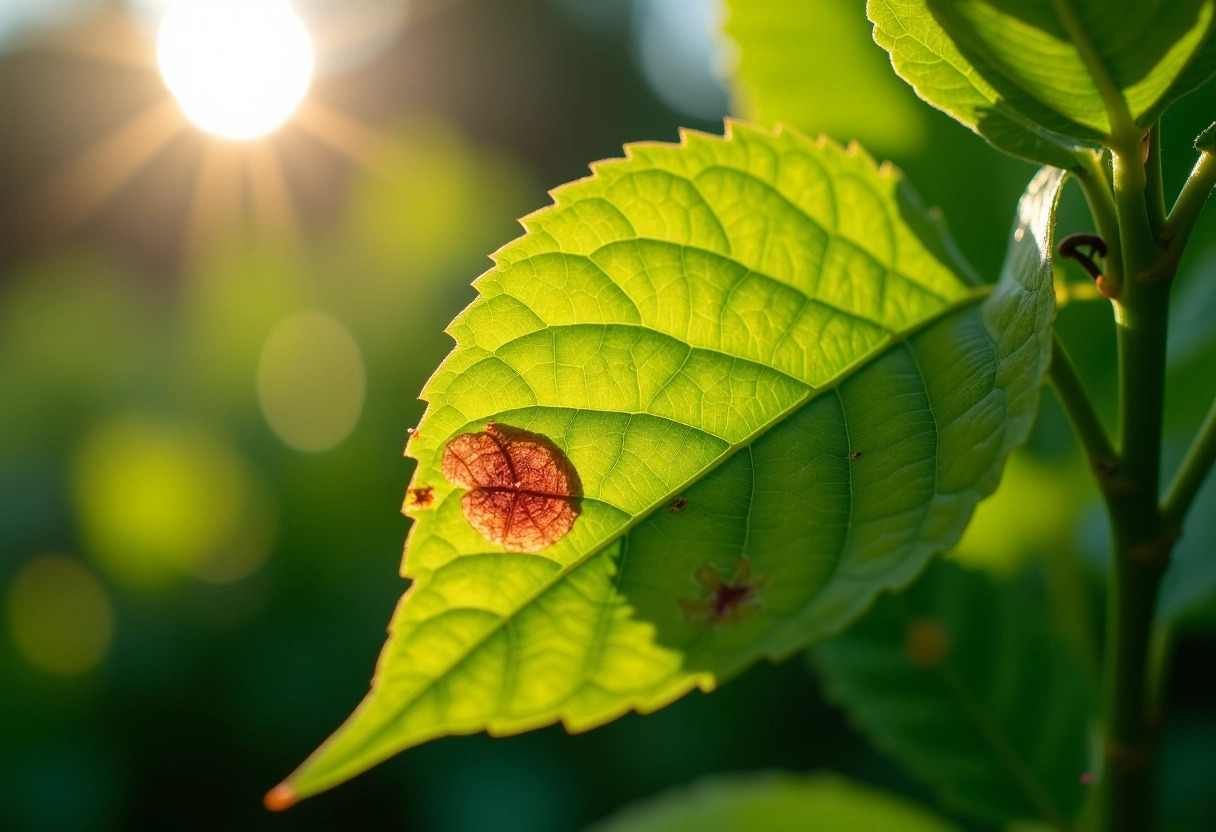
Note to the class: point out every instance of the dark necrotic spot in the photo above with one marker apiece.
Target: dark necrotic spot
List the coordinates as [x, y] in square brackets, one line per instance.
[724, 602]
[422, 497]
[677, 505]
[523, 491]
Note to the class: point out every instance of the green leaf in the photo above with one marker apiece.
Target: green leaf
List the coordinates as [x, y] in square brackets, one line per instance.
[1042, 79]
[774, 802]
[779, 395]
[787, 48]
[961, 681]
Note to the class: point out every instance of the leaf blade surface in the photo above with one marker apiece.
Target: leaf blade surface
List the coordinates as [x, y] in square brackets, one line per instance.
[745, 328]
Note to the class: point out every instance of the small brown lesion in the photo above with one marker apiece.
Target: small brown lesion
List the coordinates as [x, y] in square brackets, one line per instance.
[421, 496]
[926, 642]
[677, 505]
[856, 455]
[724, 602]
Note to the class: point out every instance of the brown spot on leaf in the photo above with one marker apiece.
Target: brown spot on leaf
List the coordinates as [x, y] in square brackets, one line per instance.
[677, 505]
[724, 602]
[523, 491]
[855, 455]
[926, 642]
[422, 497]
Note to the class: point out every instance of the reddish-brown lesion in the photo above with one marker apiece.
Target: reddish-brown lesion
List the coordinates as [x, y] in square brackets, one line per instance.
[523, 491]
[422, 496]
[724, 602]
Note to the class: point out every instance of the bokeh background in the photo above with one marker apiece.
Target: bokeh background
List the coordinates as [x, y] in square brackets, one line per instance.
[210, 353]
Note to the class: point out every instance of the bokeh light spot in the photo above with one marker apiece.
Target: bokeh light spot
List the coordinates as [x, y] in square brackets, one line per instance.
[60, 615]
[311, 381]
[158, 503]
[239, 68]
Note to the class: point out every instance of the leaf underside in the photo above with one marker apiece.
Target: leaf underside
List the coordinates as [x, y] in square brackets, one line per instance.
[963, 684]
[1046, 79]
[774, 802]
[763, 329]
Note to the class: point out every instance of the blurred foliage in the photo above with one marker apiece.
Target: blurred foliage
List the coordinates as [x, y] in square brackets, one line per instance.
[212, 685]
[774, 802]
[834, 42]
[959, 680]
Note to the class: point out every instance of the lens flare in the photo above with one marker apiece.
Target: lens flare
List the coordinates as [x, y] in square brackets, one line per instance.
[311, 381]
[158, 503]
[238, 68]
[60, 615]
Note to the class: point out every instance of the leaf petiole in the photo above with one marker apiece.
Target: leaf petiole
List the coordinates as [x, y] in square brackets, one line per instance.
[1192, 472]
[1194, 195]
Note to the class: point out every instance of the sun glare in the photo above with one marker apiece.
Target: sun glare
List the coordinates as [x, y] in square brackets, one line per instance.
[238, 68]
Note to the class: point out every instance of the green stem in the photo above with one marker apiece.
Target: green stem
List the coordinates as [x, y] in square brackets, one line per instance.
[1141, 539]
[1193, 471]
[1186, 211]
[1155, 193]
[1070, 390]
[1097, 188]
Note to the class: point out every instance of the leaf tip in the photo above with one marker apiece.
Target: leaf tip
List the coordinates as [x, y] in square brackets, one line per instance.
[280, 798]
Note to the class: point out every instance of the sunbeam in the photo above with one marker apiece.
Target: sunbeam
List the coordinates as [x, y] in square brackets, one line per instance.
[274, 214]
[86, 182]
[111, 38]
[343, 133]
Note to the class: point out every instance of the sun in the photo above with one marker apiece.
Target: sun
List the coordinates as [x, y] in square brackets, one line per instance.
[238, 68]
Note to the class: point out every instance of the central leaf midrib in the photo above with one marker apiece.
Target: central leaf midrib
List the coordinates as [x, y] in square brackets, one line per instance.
[975, 296]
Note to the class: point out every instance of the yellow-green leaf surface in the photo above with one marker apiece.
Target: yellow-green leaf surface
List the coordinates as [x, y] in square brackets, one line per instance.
[762, 325]
[1042, 78]
[787, 48]
[775, 802]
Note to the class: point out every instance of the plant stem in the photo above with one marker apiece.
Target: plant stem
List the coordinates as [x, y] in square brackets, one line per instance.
[1193, 471]
[1097, 188]
[1141, 539]
[1155, 190]
[1070, 390]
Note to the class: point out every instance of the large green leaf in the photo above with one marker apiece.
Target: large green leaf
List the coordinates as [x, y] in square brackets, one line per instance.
[962, 682]
[1042, 78]
[774, 802]
[786, 50]
[780, 398]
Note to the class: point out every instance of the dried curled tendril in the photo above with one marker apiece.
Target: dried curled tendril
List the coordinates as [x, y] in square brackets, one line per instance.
[523, 492]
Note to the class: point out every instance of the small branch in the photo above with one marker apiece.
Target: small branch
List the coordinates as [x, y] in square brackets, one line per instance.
[1070, 390]
[1185, 213]
[1193, 471]
[1154, 195]
[1097, 188]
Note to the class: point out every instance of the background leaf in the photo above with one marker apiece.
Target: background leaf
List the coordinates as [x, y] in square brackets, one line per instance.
[758, 324]
[774, 802]
[787, 48]
[1040, 79]
[961, 682]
